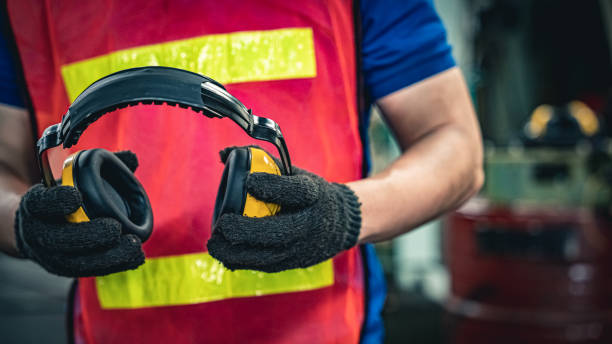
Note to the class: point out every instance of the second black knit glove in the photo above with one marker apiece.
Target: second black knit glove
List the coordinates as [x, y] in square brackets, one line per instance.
[318, 219]
[92, 248]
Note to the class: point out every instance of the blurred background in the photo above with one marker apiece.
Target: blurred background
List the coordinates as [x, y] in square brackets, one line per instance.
[527, 260]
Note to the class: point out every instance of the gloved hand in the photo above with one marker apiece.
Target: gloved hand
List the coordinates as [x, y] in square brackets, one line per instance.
[83, 249]
[317, 220]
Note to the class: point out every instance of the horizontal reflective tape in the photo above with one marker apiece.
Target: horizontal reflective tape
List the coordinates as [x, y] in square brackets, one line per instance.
[198, 278]
[227, 58]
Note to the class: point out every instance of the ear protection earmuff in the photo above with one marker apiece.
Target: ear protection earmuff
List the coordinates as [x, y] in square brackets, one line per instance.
[232, 196]
[110, 189]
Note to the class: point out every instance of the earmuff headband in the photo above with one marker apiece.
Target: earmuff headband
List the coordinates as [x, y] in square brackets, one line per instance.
[155, 85]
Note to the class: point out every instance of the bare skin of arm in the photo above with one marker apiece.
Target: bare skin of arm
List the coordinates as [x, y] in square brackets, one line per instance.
[17, 169]
[441, 164]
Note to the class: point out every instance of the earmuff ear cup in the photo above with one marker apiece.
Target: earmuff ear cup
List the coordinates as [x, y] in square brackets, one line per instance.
[232, 190]
[232, 196]
[110, 189]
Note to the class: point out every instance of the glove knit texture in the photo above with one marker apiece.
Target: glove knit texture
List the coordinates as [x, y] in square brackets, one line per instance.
[94, 248]
[318, 220]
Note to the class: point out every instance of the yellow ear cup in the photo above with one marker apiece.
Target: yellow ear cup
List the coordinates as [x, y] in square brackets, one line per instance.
[260, 162]
[68, 180]
[108, 189]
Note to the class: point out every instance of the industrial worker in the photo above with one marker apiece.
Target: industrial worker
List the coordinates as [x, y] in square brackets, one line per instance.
[292, 61]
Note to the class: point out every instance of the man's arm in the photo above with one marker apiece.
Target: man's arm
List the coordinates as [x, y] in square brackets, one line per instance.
[441, 164]
[440, 168]
[17, 169]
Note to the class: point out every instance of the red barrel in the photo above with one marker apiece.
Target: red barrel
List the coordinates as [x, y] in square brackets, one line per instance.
[529, 274]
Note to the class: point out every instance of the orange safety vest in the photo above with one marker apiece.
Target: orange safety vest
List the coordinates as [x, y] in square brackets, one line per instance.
[291, 61]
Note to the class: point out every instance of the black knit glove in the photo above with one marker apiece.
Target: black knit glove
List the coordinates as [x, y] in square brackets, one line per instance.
[317, 220]
[83, 249]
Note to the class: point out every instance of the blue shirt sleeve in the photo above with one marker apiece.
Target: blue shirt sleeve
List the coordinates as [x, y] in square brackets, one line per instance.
[403, 42]
[9, 89]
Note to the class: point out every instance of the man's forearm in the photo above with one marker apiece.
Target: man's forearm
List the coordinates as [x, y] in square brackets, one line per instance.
[441, 167]
[11, 191]
[435, 175]
[17, 169]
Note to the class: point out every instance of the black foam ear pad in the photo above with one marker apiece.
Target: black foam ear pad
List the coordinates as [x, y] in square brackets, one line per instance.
[232, 190]
[110, 189]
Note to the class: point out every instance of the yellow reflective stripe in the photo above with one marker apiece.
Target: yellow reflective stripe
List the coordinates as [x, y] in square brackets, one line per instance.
[197, 278]
[227, 58]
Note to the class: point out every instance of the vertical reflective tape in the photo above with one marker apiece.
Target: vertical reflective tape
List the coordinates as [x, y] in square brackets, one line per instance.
[198, 278]
[228, 58]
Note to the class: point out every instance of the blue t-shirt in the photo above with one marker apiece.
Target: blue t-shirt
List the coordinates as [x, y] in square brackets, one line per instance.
[403, 42]
[9, 90]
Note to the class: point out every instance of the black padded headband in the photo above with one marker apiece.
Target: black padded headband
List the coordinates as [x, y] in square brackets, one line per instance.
[155, 85]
